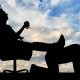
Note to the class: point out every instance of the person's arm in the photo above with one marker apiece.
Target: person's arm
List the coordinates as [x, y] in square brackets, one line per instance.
[26, 25]
[20, 31]
[41, 46]
[16, 35]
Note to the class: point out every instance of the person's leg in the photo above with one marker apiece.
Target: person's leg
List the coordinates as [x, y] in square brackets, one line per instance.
[24, 50]
[17, 50]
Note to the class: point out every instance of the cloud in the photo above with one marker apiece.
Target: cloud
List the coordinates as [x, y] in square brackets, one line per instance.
[65, 6]
[11, 3]
[6, 65]
[39, 63]
[28, 4]
[67, 67]
[36, 54]
[50, 30]
[21, 64]
[54, 2]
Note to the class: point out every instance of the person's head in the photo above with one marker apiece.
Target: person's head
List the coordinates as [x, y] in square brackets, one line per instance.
[3, 16]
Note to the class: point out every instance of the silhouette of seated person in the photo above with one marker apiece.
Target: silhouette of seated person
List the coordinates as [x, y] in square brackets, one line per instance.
[11, 44]
[50, 59]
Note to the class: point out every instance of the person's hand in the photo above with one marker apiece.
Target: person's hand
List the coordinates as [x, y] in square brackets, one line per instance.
[26, 25]
[21, 38]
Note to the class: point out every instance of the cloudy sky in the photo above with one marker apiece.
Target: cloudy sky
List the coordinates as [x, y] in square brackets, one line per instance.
[48, 20]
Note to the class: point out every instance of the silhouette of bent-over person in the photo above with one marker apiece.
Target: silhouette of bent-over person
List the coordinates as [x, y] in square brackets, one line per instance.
[58, 53]
[50, 58]
[11, 44]
[53, 54]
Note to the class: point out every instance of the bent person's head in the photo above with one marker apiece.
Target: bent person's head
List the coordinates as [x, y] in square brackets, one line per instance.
[3, 16]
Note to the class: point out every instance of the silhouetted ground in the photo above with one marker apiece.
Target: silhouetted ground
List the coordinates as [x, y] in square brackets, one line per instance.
[24, 76]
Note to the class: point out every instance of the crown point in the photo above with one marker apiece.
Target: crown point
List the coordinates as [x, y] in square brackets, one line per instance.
[0, 6]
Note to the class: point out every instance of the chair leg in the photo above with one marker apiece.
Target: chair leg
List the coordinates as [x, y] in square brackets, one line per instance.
[7, 71]
[14, 66]
[14, 69]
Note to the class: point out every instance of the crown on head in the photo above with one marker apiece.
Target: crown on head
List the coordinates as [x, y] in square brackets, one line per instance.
[0, 6]
[3, 15]
[1, 10]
